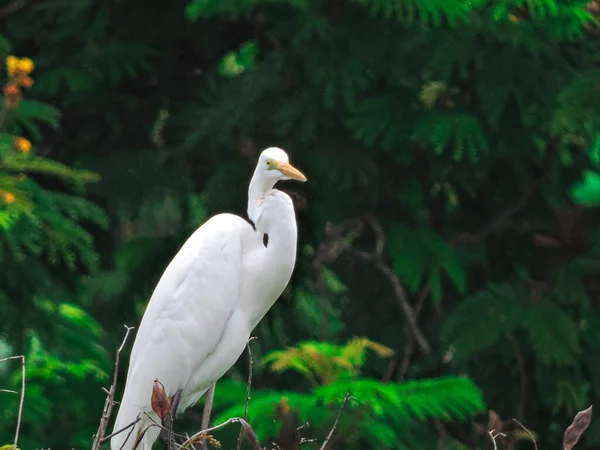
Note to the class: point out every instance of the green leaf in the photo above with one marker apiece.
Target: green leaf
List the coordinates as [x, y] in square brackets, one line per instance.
[587, 192]
[482, 319]
[553, 335]
[418, 251]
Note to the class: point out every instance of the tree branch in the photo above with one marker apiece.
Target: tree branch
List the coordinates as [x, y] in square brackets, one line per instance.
[250, 434]
[106, 438]
[340, 239]
[502, 218]
[22, 400]
[110, 398]
[208, 404]
[335, 424]
[249, 386]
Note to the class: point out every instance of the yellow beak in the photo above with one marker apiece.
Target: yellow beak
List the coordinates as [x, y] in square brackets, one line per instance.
[291, 172]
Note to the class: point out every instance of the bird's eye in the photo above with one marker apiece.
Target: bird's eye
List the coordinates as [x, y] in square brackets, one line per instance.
[269, 163]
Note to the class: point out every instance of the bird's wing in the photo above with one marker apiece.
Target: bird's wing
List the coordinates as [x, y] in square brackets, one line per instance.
[187, 314]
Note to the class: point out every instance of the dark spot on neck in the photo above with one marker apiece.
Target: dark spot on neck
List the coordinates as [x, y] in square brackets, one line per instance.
[266, 240]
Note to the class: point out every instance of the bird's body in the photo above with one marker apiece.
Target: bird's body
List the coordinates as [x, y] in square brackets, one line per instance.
[214, 292]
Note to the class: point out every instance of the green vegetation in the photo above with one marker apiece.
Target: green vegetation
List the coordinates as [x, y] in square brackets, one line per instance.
[452, 150]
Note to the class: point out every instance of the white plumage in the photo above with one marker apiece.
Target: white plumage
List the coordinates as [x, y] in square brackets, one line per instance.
[214, 292]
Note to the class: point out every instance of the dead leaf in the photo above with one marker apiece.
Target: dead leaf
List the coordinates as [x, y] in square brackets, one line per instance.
[161, 404]
[580, 423]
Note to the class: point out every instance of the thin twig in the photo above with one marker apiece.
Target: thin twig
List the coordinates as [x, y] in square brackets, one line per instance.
[11, 357]
[248, 387]
[523, 375]
[502, 218]
[110, 399]
[491, 433]
[335, 424]
[162, 427]
[409, 347]
[9, 391]
[128, 436]
[528, 432]
[139, 438]
[408, 311]
[376, 257]
[208, 404]
[192, 438]
[114, 433]
[22, 400]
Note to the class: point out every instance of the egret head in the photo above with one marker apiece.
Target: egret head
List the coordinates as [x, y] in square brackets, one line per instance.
[275, 165]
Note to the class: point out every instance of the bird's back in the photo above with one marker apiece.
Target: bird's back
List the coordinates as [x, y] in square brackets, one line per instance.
[185, 320]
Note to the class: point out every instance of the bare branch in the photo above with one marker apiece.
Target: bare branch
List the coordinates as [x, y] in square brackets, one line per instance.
[248, 387]
[210, 397]
[500, 220]
[128, 434]
[110, 399]
[139, 438]
[250, 434]
[9, 391]
[523, 375]
[162, 427]
[335, 424]
[22, 400]
[401, 296]
[494, 434]
[528, 432]
[106, 438]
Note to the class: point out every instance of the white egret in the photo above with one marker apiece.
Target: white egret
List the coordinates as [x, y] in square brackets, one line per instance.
[214, 292]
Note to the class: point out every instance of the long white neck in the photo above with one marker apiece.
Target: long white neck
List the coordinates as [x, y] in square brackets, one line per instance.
[272, 266]
[260, 185]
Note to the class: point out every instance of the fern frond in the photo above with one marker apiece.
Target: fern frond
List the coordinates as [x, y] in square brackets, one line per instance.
[481, 320]
[417, 252]
[206, 9]
[461, 132]
[34, 164]
[31, 112]
[427, 12]
[443, 398]
[553, 335]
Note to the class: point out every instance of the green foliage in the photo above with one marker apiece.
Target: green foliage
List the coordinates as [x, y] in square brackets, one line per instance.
[421, 254]
[498, 311]
[428, 12]
[323, 363]
[44, 227]
[235, 63]
[380, 413]
[462, 127]
[587, 192]
[76, 359]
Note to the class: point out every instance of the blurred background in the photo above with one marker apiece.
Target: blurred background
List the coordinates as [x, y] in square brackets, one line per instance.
[449, 247]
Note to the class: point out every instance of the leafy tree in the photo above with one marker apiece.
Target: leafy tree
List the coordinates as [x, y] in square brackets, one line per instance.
[381, 415]
[42, 229]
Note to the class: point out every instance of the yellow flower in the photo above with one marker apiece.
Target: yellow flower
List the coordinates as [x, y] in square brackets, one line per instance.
[8, 197]
[25, 65]
[11, 64]
[23, 145]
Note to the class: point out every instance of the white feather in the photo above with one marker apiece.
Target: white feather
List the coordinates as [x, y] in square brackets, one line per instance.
[210, 297]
